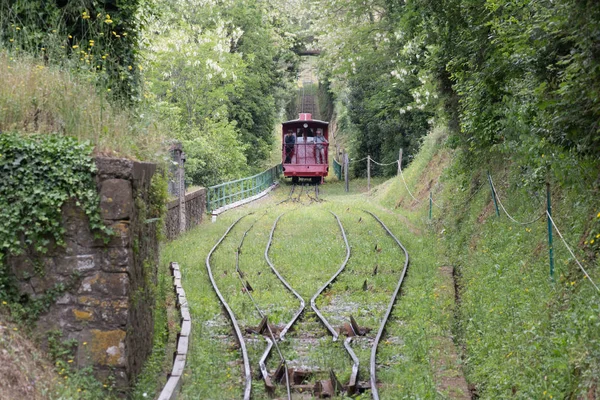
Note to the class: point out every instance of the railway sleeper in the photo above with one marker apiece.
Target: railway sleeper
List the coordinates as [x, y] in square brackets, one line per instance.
[323, 388]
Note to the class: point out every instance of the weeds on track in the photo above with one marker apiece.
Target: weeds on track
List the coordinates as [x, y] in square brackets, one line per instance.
[307, 249]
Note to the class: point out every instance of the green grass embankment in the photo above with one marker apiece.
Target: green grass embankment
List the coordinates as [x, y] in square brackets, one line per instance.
[523, 335]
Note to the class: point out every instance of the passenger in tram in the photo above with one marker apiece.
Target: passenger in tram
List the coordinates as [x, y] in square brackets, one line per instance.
[320, 141]
[290, 141]
[301, 147]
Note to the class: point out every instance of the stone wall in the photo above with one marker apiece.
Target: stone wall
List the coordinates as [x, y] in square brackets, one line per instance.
[195, 209]
[104, 287]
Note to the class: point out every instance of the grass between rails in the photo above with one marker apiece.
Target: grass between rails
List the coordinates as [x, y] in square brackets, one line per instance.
[308, 249]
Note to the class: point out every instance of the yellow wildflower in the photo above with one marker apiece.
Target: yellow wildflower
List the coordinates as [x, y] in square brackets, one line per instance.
[592, 241]
[70, 37]
[11, 40]
[70, 361]
[75, 46]
[17, 28]
[108, 21]
[5, 303]
[129, 67]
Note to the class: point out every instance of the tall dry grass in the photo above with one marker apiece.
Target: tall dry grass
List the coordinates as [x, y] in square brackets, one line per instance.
[38, 98]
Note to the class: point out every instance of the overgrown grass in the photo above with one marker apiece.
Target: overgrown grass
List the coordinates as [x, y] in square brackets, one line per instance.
[307, 250]
[36, 97]
[523, 334]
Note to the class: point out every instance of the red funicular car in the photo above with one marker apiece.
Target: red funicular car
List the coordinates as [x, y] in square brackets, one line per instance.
[305, 142]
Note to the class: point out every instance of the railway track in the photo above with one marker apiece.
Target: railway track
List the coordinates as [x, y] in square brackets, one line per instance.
[293, 378]
[303, 189]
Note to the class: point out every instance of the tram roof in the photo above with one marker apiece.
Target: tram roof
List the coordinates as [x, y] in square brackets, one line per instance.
[312, 121]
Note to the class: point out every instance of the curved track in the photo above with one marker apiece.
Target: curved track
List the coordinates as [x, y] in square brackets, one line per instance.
[272, 340]
[236, 327]
[372, 368]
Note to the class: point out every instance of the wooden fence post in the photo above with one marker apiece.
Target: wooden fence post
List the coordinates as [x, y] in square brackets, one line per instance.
[400, 162]
[346, 171]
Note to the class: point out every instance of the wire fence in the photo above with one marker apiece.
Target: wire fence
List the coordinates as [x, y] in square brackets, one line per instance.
[546, 212]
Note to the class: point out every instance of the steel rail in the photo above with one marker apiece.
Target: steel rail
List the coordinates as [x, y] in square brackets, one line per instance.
[236, 327]
[300, 194]
[271, 341]
[374, 391]
[286, 284]
[334, 333]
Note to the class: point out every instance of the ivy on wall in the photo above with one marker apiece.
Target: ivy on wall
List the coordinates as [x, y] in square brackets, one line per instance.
[38, 174]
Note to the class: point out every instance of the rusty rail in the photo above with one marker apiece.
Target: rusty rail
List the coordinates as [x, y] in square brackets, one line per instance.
[236, 327]
[374, 391]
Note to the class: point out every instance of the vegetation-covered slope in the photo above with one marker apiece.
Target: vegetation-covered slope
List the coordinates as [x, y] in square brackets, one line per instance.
[523, 334]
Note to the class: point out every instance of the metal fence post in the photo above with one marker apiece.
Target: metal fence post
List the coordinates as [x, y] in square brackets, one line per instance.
[493, 194]
[550, 245]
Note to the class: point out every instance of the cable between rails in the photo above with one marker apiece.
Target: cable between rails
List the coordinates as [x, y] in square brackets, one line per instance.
[334, 333]
[236, 327]
[374, 391]
[506, 212]
[571, 251]
[286, 284]
[271, 341]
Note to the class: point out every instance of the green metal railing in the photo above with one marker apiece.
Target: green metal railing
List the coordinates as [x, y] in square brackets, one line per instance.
[229, 192]
[337, 169]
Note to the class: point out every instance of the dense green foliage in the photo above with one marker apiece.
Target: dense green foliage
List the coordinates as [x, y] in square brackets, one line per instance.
[514, 78]
[219, 74]
[101, 37]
